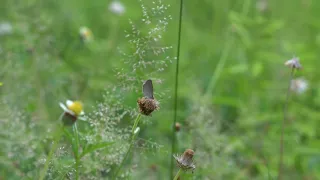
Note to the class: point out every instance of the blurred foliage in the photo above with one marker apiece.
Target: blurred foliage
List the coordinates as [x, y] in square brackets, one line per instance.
[232, 88]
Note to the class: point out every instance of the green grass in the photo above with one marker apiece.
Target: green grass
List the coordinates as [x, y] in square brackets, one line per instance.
[232, 89]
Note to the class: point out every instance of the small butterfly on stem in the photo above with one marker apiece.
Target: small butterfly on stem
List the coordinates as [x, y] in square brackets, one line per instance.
[148, 103]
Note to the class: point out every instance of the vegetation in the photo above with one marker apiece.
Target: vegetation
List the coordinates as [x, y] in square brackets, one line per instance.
[234, 91]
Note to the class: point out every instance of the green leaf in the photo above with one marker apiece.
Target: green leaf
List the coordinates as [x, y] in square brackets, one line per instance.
[92, 147]
[1, 83]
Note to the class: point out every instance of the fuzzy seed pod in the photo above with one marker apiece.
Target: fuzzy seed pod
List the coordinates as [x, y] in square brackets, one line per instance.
[185, 161]
[147, 105]
[177, 127]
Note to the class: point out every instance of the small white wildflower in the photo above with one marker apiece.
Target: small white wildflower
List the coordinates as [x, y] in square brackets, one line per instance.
[72, 110]
[299, 85]
[116, 7]
[5, 28]
[293, 63]
[72, 107]
[85, 34]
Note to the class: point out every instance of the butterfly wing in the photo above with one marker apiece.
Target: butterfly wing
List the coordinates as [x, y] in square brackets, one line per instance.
[148, 89]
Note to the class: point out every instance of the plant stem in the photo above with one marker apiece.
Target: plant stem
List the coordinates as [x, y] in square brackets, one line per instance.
[173, 143]
[177, 175]
[56, 140]
[217, 72]
[135, 125]
[76, 153]
[285, 112]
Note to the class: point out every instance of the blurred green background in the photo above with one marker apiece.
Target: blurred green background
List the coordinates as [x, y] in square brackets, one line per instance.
[232, 84]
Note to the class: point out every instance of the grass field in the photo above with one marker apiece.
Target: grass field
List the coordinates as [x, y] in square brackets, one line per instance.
[231, 95]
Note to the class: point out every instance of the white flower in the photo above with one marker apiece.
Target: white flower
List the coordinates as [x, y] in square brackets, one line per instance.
[293, 63]
[5, 28]
[299, 85]
[85, 34]
[74, 108]
[116, 7]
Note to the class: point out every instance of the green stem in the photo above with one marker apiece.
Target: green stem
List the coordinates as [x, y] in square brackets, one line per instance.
[176, 87]
[285, 115]
[217, 72]
[225, 53]
[76, 153]
[177, 175]
[135, 124]
[54, 147]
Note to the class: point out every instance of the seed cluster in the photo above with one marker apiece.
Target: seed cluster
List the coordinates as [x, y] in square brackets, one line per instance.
[147, 105]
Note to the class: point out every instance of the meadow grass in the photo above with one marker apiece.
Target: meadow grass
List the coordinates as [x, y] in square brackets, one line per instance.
[232, 86]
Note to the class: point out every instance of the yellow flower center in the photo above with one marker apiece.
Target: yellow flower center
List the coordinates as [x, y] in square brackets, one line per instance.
[87, 34]
[76, 107]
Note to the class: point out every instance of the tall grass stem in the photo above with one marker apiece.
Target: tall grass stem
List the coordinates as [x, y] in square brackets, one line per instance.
[135, 125]
[76, 155]
[285, 114]
[173, 136]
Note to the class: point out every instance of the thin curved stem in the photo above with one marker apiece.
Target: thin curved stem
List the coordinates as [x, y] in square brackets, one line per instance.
[135, 125]
[224, 55]
[76, 155]
[217, 72]
[285, 114]
[176, 90]
[136, 122]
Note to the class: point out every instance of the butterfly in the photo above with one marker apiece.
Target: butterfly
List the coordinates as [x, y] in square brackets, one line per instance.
[147, 89]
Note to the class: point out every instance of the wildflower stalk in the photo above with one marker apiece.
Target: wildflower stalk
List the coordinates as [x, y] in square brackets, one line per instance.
[135, 125]
[54, 147]
[173, 143]
[76, 153]
[285, 112]
[177, 175]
